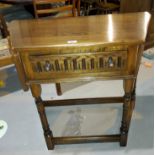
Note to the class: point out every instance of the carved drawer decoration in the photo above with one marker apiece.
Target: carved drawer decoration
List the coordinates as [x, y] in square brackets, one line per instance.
[79, 62]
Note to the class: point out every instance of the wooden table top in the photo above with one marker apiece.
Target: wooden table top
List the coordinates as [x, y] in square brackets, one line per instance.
[80, 31]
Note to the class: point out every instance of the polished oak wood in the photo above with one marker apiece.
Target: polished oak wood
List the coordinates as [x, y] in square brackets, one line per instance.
[84, 31]
[105, 47]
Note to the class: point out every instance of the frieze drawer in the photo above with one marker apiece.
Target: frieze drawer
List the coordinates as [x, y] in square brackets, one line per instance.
[54, 66]
[71, 63]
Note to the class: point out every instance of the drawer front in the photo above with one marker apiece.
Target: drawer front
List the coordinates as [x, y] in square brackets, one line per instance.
[78, 64]
[93, 62]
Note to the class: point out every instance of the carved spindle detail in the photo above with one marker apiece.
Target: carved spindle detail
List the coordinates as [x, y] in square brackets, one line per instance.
[80, 62]
[47, 66]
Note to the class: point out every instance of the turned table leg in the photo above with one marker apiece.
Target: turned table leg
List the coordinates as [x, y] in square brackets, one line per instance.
[129, 88]
[133, 95]
[58, 89]
[36, 93]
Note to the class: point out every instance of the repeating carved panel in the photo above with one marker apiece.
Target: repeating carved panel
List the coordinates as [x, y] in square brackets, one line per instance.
[79, 62]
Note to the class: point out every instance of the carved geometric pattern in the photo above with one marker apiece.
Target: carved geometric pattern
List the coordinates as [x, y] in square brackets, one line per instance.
[79, 62]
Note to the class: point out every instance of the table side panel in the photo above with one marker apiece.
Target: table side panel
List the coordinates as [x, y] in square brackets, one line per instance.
[84, 63]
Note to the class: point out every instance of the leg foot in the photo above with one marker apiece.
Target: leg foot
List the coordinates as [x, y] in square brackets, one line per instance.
[48, 137]
[123, 141]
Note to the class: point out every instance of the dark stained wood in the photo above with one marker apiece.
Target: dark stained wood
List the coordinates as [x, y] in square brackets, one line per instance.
[3, 27]
[128, 89]
[87, 139]
[135, 6]
[82, 101]
[58, 88]
[83, 48]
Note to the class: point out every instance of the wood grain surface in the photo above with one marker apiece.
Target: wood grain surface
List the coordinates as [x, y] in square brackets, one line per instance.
[80, 31]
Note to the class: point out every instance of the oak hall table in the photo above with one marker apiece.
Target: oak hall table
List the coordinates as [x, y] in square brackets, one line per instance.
[105, 47]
